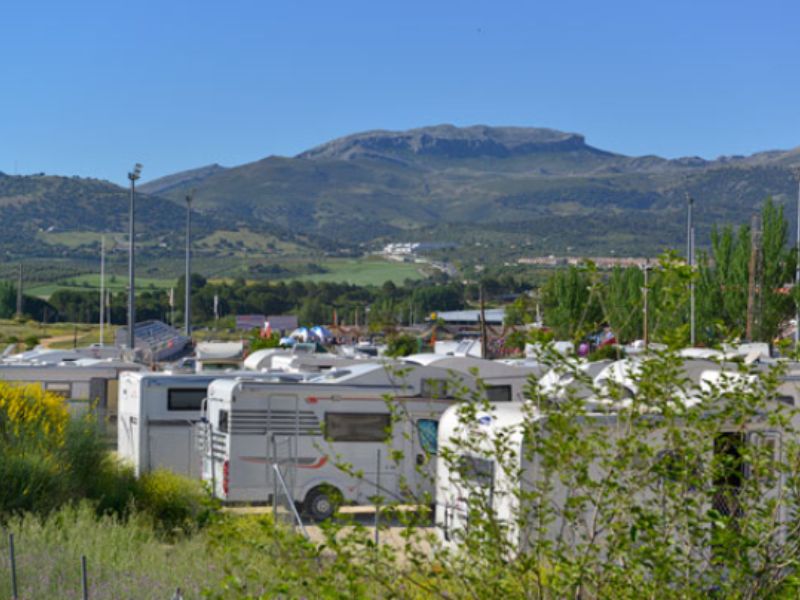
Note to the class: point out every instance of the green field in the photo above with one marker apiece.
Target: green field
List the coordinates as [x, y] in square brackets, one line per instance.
[369, 271]
[88, 282]
[365, 272]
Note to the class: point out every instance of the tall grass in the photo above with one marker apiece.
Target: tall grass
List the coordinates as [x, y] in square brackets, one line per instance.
[126, 558]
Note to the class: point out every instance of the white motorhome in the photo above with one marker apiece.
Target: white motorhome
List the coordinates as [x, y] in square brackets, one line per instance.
[306, 428]
[478, 472]
[301, 358]
[504, 381]
[157, 417]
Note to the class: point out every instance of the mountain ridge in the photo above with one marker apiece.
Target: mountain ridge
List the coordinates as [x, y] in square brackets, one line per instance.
[537, 188]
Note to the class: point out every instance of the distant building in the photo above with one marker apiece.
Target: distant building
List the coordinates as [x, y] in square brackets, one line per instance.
[278, 323]
[283, 323]
[411, 248]
[248, 322]
[602, 262]
[494, 316]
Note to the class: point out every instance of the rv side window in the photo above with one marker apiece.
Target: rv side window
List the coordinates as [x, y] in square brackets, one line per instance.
[427, 429]
[357, 427]
[223, 421]
[478, 471]
[185, 399]
[63, 389]
[498, 393]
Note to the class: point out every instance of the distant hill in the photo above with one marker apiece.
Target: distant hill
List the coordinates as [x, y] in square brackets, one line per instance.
[35, 204]
[539, 183]
[180, 180]
[518, 190]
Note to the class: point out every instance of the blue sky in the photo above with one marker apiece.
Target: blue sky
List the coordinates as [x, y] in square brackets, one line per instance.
[89, 88]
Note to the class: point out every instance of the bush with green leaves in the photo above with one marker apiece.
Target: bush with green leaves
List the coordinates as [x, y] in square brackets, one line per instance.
[174, 502]
[48, 460]
[402, 345]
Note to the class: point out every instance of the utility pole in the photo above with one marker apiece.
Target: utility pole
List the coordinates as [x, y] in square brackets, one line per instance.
[755, 243]
[646, 310]
[692, 301]
[797, 270]
[19, 292]
[690, 262]
[133, 176]
[187, 307]
[102, 288]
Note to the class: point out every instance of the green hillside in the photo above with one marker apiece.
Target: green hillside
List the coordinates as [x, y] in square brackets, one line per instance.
[512, 190]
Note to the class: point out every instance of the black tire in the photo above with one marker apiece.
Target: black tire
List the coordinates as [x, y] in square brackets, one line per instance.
[321, 503]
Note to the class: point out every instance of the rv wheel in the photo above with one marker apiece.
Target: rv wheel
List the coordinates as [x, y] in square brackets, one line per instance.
[321, 503]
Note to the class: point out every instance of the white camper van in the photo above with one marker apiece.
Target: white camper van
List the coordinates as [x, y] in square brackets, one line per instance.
[478, 472]
[157, 415]
[157, 412]
[307, 427]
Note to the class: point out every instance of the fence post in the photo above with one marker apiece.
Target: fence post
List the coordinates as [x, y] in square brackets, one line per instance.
[272, 444]
[14, 595]
[84, 584]
[377, 499]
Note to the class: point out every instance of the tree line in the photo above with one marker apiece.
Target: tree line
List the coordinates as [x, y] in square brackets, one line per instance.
[579, 300]
[387, 305]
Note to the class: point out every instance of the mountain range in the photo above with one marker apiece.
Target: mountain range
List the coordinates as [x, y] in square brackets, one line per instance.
[522, 190]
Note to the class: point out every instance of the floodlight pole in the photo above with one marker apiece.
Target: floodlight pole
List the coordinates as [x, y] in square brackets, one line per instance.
[133, 176]
[102, 289]
[187, 307]
[646, 307]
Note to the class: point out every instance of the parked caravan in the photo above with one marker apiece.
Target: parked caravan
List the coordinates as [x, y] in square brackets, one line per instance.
[83, 382]
[157, 417]
[306, 428]
[218, 356]
[504, 382]
[301, 358]
[477, 471]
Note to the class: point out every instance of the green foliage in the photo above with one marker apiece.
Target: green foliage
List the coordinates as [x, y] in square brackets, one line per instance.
[173, 501]
[402, 345]
[723, 280]
[608, 352]
[571, 302]
[258, 342]
[516, 340]
[521, 312]
[126, 558]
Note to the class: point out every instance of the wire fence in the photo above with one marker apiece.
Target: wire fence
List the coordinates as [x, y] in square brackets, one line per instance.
[82, 568]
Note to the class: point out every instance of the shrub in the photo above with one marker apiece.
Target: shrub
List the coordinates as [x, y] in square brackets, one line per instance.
[402, 345]
[31, 482]
[93, 473]
[174, 502]
[609, 352]
[30, 418]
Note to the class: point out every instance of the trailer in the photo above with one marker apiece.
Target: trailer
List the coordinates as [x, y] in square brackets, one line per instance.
[505, 381]
[501, 485]
[308, 429]
[84, 383]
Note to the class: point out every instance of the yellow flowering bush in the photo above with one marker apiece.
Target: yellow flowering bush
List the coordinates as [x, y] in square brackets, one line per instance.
[31, 417]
